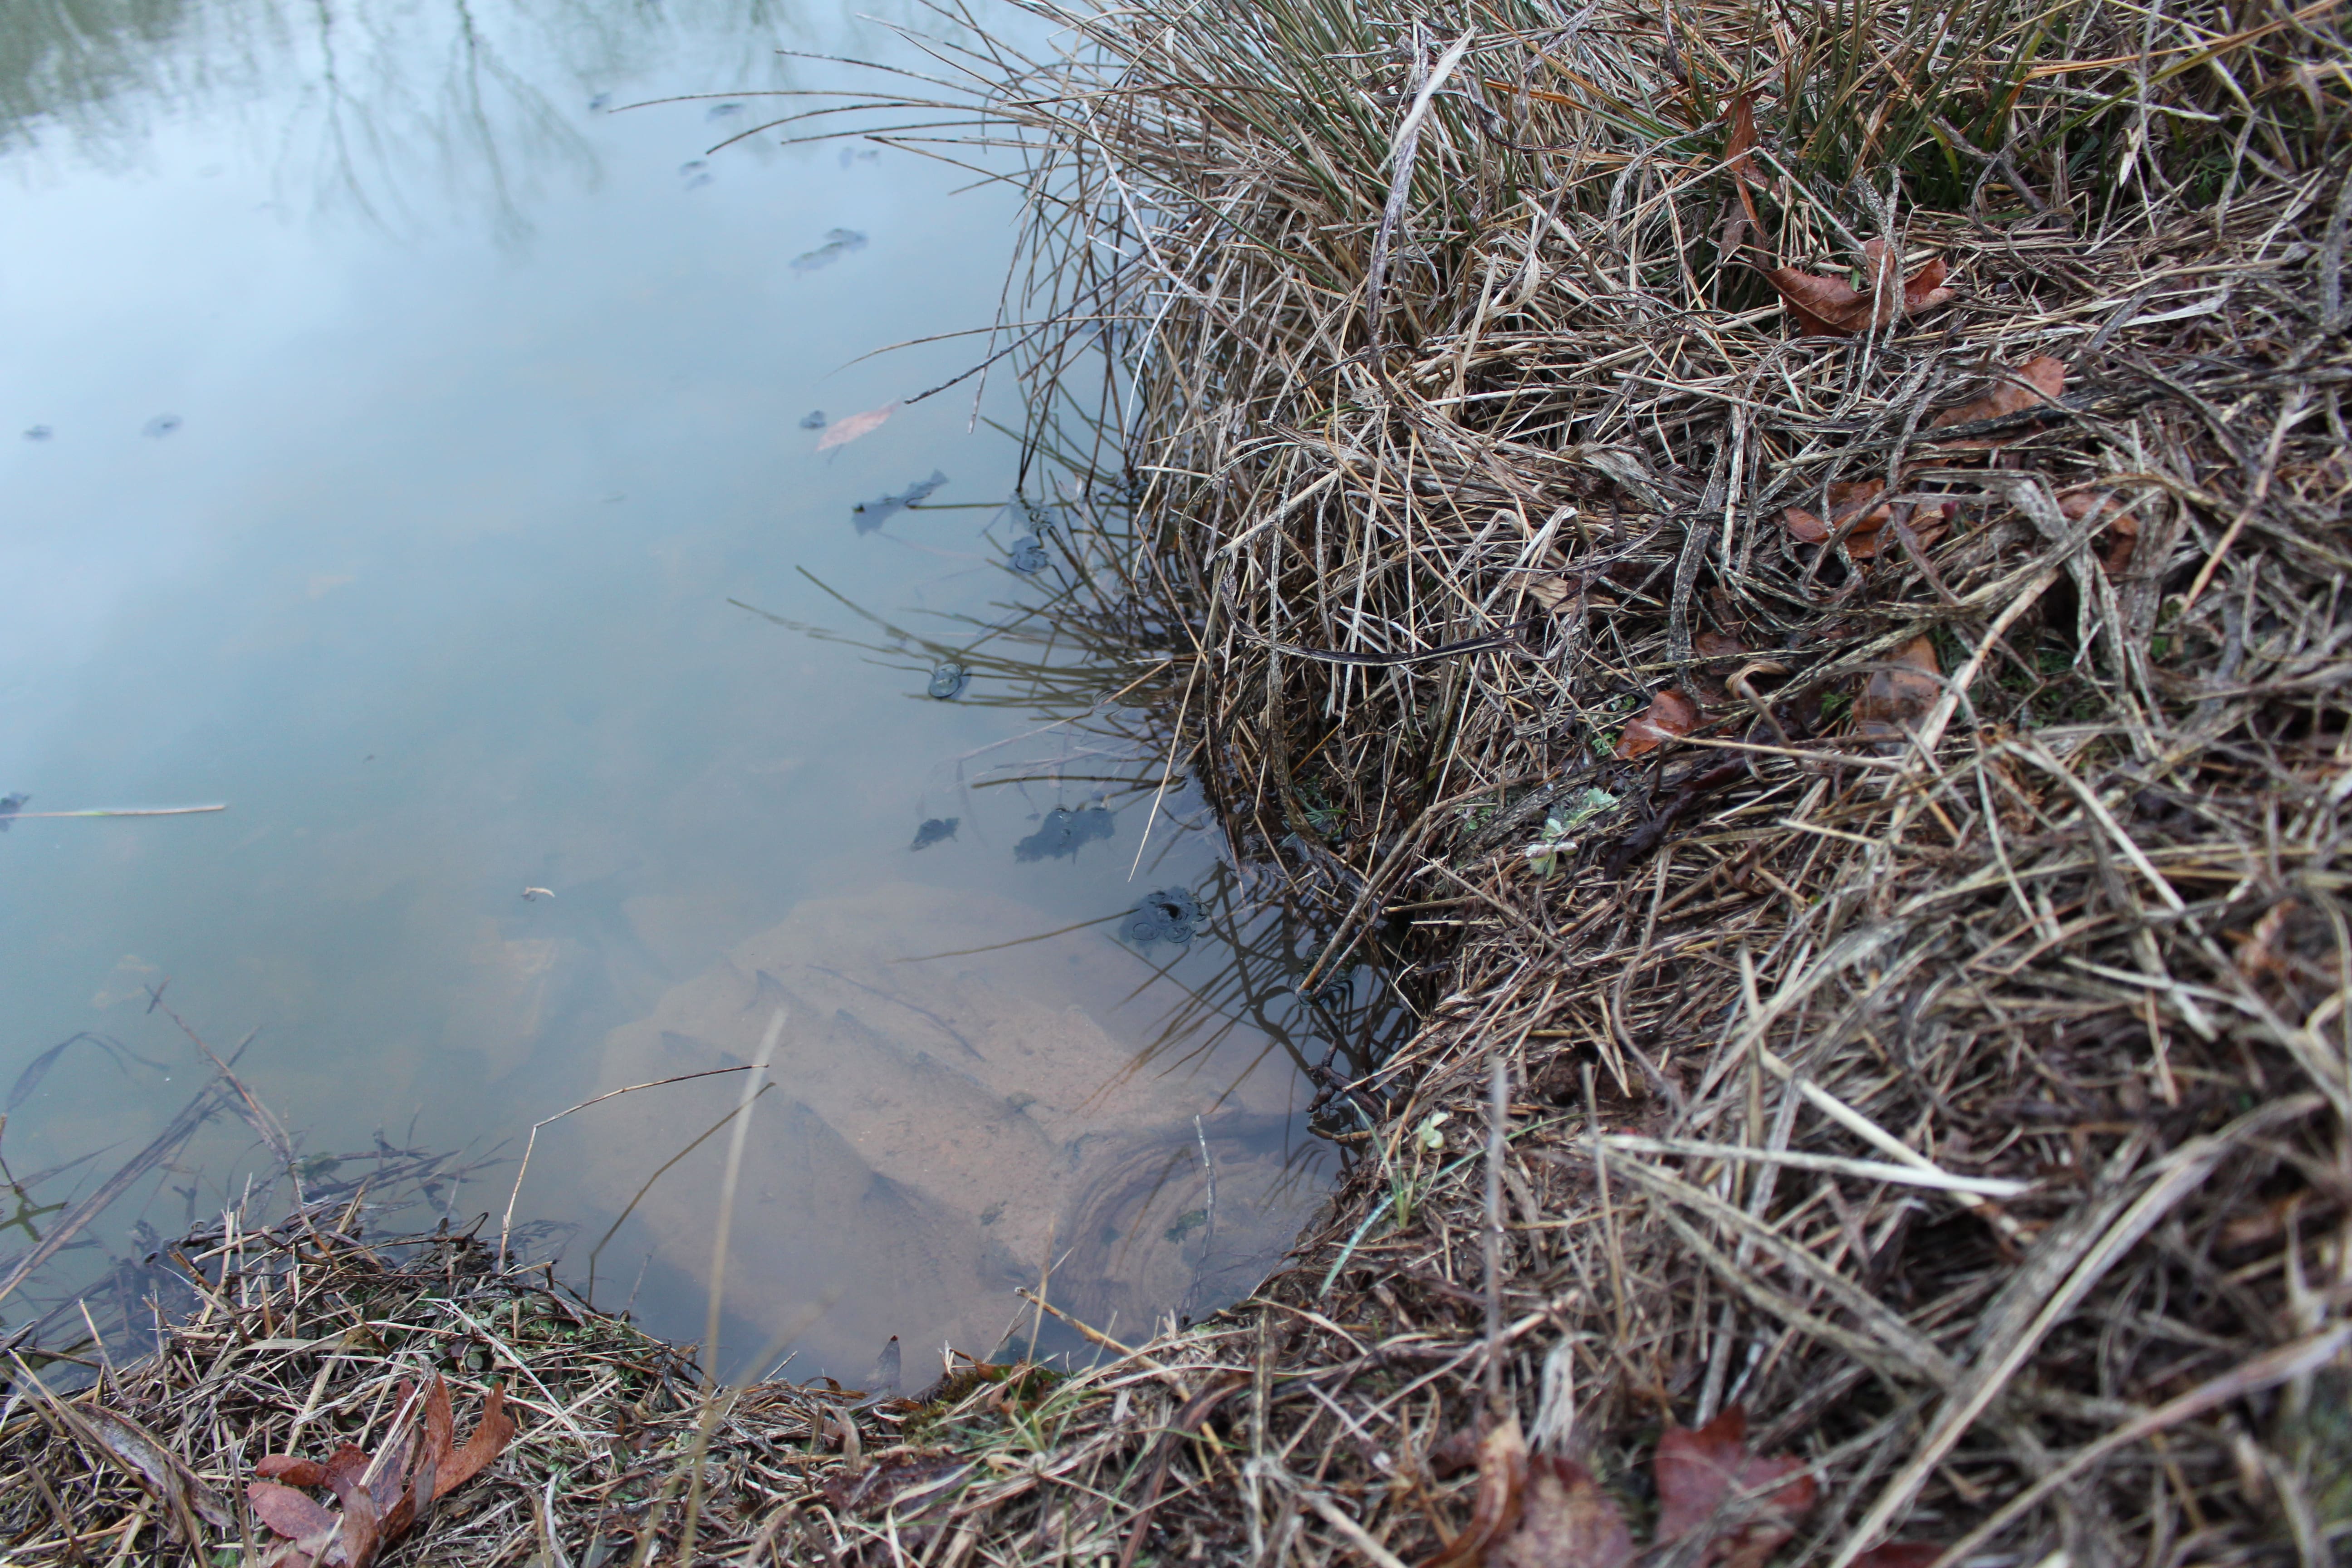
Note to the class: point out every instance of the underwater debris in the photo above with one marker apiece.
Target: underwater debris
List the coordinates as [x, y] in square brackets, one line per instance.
[690, 165]
[858, 155]
[935, 830]
[9, 806]
[1028, 554]
[721, 111]
[600, 102]
[948, 680]
[812, 420]
[1169, 914]
[839, 243]
[39, 433]
[870, 515]
[162, 425]
[1062, 831]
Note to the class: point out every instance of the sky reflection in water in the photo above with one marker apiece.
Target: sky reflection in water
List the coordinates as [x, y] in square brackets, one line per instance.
[405, 412]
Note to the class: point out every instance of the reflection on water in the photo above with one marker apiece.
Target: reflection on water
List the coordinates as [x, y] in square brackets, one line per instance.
[423, 529]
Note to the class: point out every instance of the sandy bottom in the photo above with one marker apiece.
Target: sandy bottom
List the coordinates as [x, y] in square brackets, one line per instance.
[936, 1125]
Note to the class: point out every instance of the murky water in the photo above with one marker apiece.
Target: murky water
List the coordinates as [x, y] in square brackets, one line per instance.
[400, 413]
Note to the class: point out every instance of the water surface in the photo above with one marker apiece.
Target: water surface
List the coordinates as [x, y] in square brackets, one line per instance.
[401, 411]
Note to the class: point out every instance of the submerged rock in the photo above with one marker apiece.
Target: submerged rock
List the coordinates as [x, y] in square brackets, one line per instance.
[812, 420]
[935, 830]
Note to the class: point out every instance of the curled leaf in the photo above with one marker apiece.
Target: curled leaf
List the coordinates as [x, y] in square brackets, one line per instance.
[291, 1470]
[1896, 697]
[1830, 307]
[1502, 1475]
[1708, 1481]
[1741, 141]
[1670, 716]
[1566, 1520]
[2038, 380]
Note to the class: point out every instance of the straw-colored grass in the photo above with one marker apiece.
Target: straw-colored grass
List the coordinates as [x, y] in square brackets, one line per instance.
[1933, 1043]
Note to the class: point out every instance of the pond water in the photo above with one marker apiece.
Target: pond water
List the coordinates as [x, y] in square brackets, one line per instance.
[405, 421]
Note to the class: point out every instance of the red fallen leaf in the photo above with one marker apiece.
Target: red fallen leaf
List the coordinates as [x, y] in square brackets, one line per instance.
[1669, 717]
[1700, 1472]
[363, 1531]
[2038, 380]
[1898, 693]
[291, 1470]
[1900, 1554]
[1502, 1472]
[290, 1513]
[1566, 1520]
[487, 1443]
[1830, 307]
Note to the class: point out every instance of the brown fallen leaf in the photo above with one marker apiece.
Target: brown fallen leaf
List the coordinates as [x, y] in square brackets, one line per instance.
[1898, 694]
[1856, 499]
[1830, 307]
[1710, 1469]
[1550, 593]
[1670, 716]
[2038, 380]
[487, 1443]
[842, 432]
[1566, 1520]
[1717, 645]
[137, 1450]
[2122, 528]
[1502, 1473]
[291, 1514]
[1741, 141]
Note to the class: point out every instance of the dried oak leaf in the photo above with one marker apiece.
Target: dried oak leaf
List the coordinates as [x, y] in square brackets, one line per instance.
[1670, 716]
[1898, 693]
[1717, 645]
[291, 1514]
[2037, 382]
[1502, 1475]
[1830, 307]
[1708, 1481]
[1855, 499]
[1566, 1520]
[487, 1443]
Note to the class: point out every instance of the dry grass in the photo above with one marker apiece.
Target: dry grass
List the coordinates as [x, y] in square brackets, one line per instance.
[1940, 1051]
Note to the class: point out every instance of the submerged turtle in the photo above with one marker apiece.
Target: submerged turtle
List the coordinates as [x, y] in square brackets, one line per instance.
[938, 1121]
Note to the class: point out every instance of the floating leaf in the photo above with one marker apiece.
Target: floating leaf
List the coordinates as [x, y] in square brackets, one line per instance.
[869, 515]
[2037, 382]
[842, 432]
[1566, 1520]
[1898, 694]
[1670, 716]
[1701, 1471]
[1828, 306]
